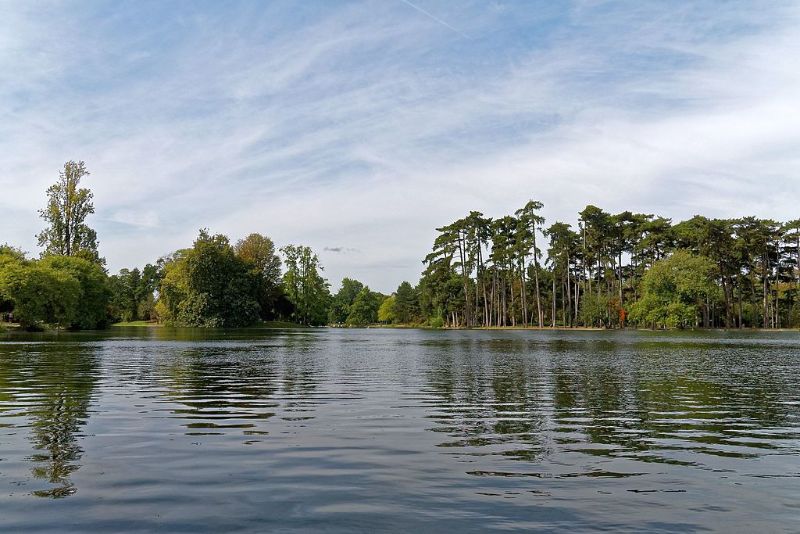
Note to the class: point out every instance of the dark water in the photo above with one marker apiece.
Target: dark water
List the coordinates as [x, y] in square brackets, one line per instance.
[394, 430]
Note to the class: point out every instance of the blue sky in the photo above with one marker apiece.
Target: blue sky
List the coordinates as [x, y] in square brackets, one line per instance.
[358, 127]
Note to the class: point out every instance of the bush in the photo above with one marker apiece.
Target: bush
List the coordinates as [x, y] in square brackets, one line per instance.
[91, 308]
[436, 322]
[41, 294]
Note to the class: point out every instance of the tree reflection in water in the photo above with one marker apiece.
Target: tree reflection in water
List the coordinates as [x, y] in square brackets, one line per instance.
[236, 387]
[52, 388]
[527, 400]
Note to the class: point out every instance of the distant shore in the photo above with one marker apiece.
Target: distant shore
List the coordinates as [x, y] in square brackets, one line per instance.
[278, 325]
[567, 328]
[266, 324]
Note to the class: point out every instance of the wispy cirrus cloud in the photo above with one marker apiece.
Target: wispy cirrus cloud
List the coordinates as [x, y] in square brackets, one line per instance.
[368, 124]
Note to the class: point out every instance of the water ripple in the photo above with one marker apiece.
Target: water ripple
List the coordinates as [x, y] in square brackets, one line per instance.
[351, 430]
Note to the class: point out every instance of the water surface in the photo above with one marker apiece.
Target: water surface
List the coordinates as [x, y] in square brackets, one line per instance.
[358, 430]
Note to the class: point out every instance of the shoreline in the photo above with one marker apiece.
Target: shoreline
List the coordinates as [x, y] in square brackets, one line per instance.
[281, 325]
[566, 328]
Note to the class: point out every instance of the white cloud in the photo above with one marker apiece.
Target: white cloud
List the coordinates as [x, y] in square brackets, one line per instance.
[365, 127]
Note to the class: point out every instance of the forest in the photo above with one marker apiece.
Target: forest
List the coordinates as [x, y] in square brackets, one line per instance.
[609, 270]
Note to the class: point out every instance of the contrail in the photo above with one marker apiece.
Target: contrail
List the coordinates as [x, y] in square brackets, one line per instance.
[440, 21]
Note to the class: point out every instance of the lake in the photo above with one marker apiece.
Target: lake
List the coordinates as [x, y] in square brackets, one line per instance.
[149, 429]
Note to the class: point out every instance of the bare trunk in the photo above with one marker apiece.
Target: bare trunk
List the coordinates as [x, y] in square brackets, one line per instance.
[511, 289]
[522, 292]
[536, 279]
[577, 301]
[765, 284]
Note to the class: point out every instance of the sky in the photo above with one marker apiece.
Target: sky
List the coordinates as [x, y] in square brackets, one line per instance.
[357, 128]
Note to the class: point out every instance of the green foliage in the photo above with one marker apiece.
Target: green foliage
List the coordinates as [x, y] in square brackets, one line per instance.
[481, 272]
[343, 300]
[386, 311]
[133, 293]
[436, 322]
[305, 288]
[441, 291]
[406, 306]
[596, 310]
[40, 294]
[8, 256]
[68, 205]
[91, 310]
[67, 292]
[208, 286]
[258, 251]
[9, 253]
[674, 291]
[365, 307]
[486, 271]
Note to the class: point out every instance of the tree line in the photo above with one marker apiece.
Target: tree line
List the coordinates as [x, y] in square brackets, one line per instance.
[611, 270]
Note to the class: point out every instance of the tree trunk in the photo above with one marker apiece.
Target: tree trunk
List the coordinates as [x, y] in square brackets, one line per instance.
[522, 291]
[536, 278]
[577, 301]
[765, 284]
[553, 319]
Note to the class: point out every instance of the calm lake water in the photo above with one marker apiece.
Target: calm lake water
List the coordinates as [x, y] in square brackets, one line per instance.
[393, 430]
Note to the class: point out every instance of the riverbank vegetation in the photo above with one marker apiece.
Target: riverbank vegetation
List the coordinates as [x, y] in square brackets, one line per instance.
[614, 270]
[609, 271]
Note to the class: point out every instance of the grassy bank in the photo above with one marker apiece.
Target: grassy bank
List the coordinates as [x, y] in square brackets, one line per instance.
[280, 324]
[266, 324]
[430, 327]
[565, 328]
[136, 323]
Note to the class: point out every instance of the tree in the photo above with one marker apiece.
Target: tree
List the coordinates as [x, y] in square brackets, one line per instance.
[9, 256]
[40, 295]
[597, 310]
[562, 256]
[208, 286]
[504, 250]
[91, 309]
[133, 293]
[146, 293]
[406, 304]
[441, 292]
[675, 291]
[305, 287]
[62, 291]
[258, 251]
[123, 286]
[344, 298]
[68, 205]
[364, 310]
[9, 253]
[386, 312]
[714, 239]
[531, 220]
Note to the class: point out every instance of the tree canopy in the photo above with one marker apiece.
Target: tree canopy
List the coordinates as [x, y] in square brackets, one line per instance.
[305, 287]
[63, 291]
[602, 270]
[343, 300]
[258, 252]
[68, 205]
[486, 272]
[208, 285]
[676, 292]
